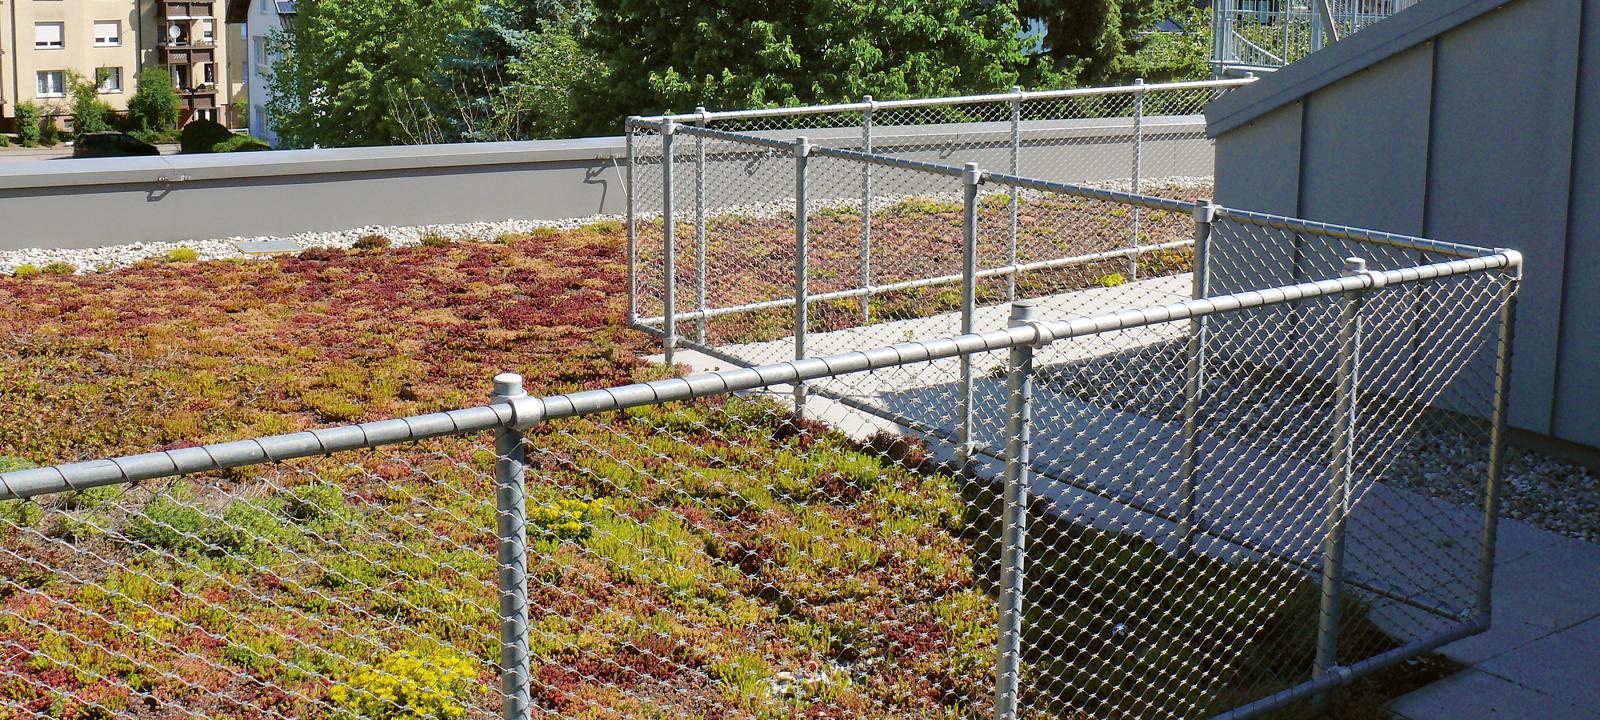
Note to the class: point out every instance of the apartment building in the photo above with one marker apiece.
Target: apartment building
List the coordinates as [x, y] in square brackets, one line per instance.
[42, 41]
[260, 20]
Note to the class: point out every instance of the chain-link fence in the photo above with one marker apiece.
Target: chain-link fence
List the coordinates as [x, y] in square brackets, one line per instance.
[1248, 35]
[733, 182]
[1173, 511]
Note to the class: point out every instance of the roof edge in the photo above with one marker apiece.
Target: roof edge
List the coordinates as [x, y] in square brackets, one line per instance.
[1391, 36]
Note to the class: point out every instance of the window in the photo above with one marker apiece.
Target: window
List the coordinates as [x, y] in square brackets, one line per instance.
[52, 83]
[209, 73]
[49, 36]
[262, 62]
[208, 31]
[110, 80]
[180, 77]
[107, 33]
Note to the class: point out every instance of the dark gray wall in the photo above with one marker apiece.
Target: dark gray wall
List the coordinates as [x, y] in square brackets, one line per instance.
[97, 202]
[1465, 122]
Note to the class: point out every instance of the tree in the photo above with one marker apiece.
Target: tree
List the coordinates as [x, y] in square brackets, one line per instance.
[1184, 54]
[672, 55]
[154, 105]
[89, 112]
[513, 76]
[351, 72]
[1088, 37]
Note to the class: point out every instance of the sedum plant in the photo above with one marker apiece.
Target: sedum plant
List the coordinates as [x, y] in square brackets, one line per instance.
[410, 686]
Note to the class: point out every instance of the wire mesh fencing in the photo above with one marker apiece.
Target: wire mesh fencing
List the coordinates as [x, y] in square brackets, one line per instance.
[1186, 510]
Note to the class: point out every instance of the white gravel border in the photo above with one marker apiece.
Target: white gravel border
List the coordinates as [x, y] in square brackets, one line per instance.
[117, 257]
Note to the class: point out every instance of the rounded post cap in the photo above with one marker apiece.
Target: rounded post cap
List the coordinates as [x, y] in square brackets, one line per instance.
[1354, 265]
[508, 385]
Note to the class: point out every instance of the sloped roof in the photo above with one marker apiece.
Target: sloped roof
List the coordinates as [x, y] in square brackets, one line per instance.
[1406, 29]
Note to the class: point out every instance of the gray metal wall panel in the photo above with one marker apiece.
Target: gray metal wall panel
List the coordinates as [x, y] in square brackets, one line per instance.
[1502, 144]
[1577, 405]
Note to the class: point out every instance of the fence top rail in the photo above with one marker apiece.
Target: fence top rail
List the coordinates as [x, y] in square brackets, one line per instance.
[1411, 242]
[523, 412]
[875, 105]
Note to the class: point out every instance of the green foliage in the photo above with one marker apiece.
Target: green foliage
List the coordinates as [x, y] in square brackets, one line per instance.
[434, 239]
[1110, 280]
[154, 105]
[515, 74]
[409, 686]
[318, 505]
[25, 270]
[50, 133]
[666, 55]
[1088, 38]
[89, 113]
[181, 255]
[352, 72]
[167, 524]
[200, 136]
[1173, 56]
[28, 119]
[241, 143]
[21, 513]
[5, 140]
[59, 267]
[371, 242]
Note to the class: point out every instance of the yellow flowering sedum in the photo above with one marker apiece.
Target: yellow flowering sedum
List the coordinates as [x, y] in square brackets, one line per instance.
[565, 518]
[408, 686]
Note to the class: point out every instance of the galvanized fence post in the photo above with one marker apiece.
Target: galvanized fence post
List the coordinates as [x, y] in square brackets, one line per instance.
[1016, 169]
[1014, 519]
[866, 211]
[511, 507]
[971, 177]
[802, 158]
[1346, 382]
[700, 230]
[1497, 448]
[1138, 156]
[669, 256]
[628, 193]
[1194, 374]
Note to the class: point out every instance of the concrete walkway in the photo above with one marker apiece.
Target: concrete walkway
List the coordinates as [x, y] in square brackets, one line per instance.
[1541, 659]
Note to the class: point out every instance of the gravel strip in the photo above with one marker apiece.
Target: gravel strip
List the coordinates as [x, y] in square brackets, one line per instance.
[105, 259]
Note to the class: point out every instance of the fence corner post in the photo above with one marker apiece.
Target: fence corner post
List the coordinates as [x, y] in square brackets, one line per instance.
[1484, 610]
[1014, 518]
[1016, 169]
[629, 193]
[1341, 466]
[802, 157]
[866, 210]
[1194, 375]
[1138, 156]
[511, 507]
[700, 230]
[669, 260]
[971, 178]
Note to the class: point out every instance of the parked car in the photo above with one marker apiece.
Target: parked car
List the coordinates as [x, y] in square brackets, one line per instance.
[111, 144]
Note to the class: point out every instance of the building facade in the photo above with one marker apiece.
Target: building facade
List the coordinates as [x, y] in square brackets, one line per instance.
[44, 42]
[261, 19]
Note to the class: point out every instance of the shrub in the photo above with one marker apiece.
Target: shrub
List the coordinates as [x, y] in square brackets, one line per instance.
[434, 239]
[23, 271]
[154, 105]
[28, 124]
[49, 134]
[181, 255]
[240, 143]
[89, 113]
[406, 685]
[59, 267]
[200, 136]
[5, 141]
[371, 242]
